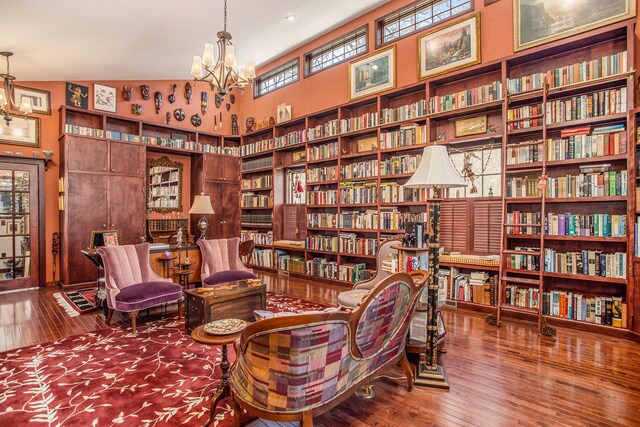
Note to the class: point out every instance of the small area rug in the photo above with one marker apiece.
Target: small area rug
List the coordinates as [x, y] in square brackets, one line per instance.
[76, 303]
[159, 377]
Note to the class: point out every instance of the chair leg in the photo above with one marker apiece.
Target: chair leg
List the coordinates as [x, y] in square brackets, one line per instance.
[307, 419]
[109, 314]
[180, 308]
[133, 315]
[237, 413]
[406, 367]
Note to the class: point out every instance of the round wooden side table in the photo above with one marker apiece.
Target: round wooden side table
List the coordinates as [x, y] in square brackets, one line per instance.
[165, 264]
[223, 390]
[184, 277]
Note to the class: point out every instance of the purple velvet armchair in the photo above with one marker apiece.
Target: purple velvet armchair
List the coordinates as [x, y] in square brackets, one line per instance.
[294, 367]
[130, 283]
[221, 262]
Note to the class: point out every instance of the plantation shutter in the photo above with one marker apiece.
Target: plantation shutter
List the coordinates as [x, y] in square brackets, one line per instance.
[487, 218]
[454, 225]
[293, 222]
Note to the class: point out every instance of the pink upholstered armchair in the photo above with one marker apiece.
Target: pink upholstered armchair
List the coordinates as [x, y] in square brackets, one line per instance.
[130, 283]
[221, 262]
[291, 368]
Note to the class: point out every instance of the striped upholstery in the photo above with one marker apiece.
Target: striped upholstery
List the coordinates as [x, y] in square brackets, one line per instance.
[220, 255]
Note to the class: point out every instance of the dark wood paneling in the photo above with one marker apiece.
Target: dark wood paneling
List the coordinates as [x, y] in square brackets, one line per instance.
[85, 154]
[127, 159]
[126, 208]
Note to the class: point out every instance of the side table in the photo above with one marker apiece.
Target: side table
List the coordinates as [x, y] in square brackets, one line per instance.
[183, 278]
[165, 264]
[223, 390]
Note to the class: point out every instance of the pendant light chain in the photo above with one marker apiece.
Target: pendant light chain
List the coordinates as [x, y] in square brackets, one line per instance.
[225, 16]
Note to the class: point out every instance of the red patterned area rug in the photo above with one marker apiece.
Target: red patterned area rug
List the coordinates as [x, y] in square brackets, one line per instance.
[159, 377]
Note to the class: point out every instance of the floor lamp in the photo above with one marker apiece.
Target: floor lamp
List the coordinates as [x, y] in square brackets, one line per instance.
[202, 206]
[435, 172]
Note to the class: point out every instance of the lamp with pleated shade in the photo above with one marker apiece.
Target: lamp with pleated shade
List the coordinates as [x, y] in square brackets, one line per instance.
[202, 206]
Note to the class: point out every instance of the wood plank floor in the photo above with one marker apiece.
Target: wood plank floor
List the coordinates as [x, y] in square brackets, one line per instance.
[499, 376]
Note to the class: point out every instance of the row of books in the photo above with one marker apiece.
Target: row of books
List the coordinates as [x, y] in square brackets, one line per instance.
[330, 128]
[404, 112]
[257, 218]
[519, 117]
[163, 173]
[291, 138]
[167, 224]
[258, 237]
[322, 197]
[322, 151]
[522, 297]
[524, 261]
[83, 130]
[262, 257]
[164, 201]
[319, 242]
[478, 287]
[592, 184]
[169, 190]
[350, 243]
[322, 220]
[525, 83]
[355, 273]
[522, 218]
[392, 192]
[522, 186]
[636, 237]
[586, 146]
[257, 147]
[321, 174]
[287, 262]
[367, 220]
[525, 152]
[122, 136]
[358, 192]
[365, 169]
[466, 98]
[599, 225]
[360, 122]
[264, 181]
[588, 263]
[601, 310]
[597, 104]
[400, 164]
[250, 200]
[322, 267]
[253, 164]
[217, 149]
[408, 135]
[395, 220]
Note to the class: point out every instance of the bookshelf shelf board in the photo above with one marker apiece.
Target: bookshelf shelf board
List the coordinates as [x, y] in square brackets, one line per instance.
[389, 230]
[523, 236]
[524, 96]
[322, 206]
[524, 131]
[322, 228]
[398, 175]
[620, 117]
[523, 200]
[258, 245]
[330, 159]
[263, 268]
[586, 326]
[357, 155]
[406, 122]
[471, 267]
[357, 255]
[515, 252]
[365, 131]
[586, 278]
[517, 271]
[311, 184]
[587, 238]
[409, 249]
[256, 225]
[163, 149]
[587, 160]
[359, 230]
[485, 106]
[468, 305]
[518, 309]
[521, 280]
[265, 169]
[467, 139]
[586, 199]
[295, 146]
[393, 204]
[328, 279]
[593, 84]
[257, 154]
[257, 189]
[404, 148]
[317, 251]
[323, 139]
[524, 167]
[356, 205]
[256, 208]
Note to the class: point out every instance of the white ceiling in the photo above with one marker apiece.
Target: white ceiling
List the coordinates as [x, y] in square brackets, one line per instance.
[154, 39]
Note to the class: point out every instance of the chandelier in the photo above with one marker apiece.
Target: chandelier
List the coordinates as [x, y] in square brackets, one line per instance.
[6, 94]
[222, 74]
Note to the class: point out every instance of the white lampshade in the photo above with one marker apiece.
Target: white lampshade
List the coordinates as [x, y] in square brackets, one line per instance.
[208, 58]
[241, 73]
[250, 71]
[201, 205]
[25, 105]
[435, 170]
[3, 98]
[230, 57]
[196, 67]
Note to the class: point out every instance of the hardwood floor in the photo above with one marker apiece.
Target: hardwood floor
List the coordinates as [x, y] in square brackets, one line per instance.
[499, 376]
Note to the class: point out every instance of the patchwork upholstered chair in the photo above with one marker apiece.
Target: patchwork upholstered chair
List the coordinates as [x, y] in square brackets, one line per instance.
[294, 367]
[130, 283]
[221, 262]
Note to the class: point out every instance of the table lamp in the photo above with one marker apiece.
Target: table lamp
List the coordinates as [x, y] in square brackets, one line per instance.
[202, 206]
[435, 171]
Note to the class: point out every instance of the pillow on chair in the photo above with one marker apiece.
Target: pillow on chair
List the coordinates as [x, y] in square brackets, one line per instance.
[228, 276]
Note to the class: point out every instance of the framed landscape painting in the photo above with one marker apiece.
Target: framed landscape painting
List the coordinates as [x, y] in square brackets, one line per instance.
[540, 21]
[40, 99]
[22, 131]
[451, 48]
[372, 74]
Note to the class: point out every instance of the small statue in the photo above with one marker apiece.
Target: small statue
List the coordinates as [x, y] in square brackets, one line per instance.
[196, 120]
[234, 124]
[272, 121]
[491, 129]
[219, 99]
[232, 98]
[179, 237]
[168, 117]
[136, 109]
[144, 89]
[203, 102]
[172, 95]
[127, 93]
[158, 101]
[250, 123]
[179, 114]
[228, 106]
[187, 92]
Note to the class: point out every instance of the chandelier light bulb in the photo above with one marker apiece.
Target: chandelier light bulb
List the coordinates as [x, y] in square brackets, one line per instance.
[250, 69]
[196, 67]
[25, 106]
[230, 57]
[208, 58]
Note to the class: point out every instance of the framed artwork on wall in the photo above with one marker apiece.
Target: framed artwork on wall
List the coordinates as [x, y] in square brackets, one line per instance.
[283, 113]
[373, 73]
[104, 98]
[77, 96]
[40, 99]
[540, 21]
[451, 48]
[23, 131]
[471, 126]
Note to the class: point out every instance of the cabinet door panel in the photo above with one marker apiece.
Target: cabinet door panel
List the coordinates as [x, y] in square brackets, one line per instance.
[230, 196]
[87, 211]
[127, 159]
[231, 170]
[84, 154]
[127, 208]
[213, 168]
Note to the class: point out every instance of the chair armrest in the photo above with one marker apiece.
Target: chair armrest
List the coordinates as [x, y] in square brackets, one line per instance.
[246, 249]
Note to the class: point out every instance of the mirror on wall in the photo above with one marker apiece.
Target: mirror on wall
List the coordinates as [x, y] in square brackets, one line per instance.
[164, 185]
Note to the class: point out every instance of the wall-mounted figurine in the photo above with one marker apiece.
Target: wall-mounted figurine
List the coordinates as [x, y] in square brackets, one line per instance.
[196, 120]
[168, 117]
[219, 99]
[144, 90]
[187, 92]
[179, 114]
[127, 93]
[158, 101]
[228, 106]
[203, 102]
[234, 124]
[220, 119]
[172, 95]
[250, 122]
[136, 109]
[215, 122]
[232, 98]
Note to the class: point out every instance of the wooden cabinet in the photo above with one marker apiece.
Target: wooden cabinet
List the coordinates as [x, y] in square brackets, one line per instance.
[221, 168]
[86, 154]
[126, 158]
[126, 213]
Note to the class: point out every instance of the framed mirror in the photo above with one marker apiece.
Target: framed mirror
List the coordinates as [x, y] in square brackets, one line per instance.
[164, 185]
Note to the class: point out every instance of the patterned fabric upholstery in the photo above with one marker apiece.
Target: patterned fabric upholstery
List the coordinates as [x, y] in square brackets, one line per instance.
[220, 255]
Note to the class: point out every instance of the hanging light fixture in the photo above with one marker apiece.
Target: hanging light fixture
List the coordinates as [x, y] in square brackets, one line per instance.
[6, 95]
[222, 73]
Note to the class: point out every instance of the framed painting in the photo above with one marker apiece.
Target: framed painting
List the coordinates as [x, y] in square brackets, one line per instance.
[451, 48]
[283, 113]
[110, 238]
[373, 73]
[77, 96]
[40, 99]
[540, 21]
[104, 98]
[471, 126]
[22, 131]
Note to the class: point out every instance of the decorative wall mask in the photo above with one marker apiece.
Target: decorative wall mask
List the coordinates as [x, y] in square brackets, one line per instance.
[172, 95]
[168, 117]
[219, 99]
[203, 102]
[158, 100]
[187, 92]
[127, 93]
[179, 114]
[228, 106]
[234, 124]
[232, 98]
[136, 109]
[196, 120]
[220, 119]
[250, 123]
[144, 89]
[215, 122]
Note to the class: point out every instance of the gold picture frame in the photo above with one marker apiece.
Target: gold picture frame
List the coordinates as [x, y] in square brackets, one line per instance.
[536, 33]
[23, 131]
[98, 239]
[40, 99]
[373, 73]
[471, 126]
[169, 166]
[451, 48]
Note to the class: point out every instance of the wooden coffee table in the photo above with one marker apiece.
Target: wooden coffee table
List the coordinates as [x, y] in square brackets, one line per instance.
[236, 300]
